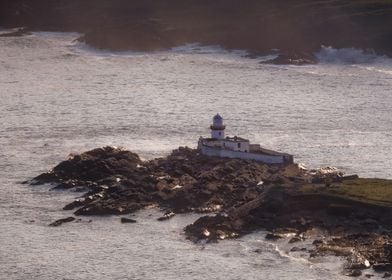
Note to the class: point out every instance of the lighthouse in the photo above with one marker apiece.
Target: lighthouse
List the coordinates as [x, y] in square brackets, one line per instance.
[217, 127]
[237, 147]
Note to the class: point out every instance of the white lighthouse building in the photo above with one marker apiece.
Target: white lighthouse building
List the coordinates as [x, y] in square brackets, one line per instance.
[217, 127]
[237, 147]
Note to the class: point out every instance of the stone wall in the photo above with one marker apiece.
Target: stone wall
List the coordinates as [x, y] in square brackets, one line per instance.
[209, 151]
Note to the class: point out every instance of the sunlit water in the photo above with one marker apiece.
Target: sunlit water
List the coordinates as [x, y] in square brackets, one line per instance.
[60, 97]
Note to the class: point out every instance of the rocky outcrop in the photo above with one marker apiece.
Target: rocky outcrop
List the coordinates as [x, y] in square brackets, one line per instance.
[244, 196]
[362, 243]
[118, 182]
[91, 167]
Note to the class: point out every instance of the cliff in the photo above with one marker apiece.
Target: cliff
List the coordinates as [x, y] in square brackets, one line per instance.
[295, 27]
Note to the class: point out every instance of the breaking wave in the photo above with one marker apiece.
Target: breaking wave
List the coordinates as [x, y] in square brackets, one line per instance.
[330, 55]
[197, 48]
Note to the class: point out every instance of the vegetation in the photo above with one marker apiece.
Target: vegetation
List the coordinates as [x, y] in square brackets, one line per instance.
[374, 191]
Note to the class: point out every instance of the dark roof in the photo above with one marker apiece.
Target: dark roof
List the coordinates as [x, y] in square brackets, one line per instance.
[218, 117]
[210, 139]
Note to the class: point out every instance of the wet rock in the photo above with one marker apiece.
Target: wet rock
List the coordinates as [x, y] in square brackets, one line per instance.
[99, 209]
[387, 275]
[167, 216]
[211, 228]
[318, 242]
[47, 177]
[354, 273]
[127, 220]
[74, 204]
[297, 249]
[295, 239]
[358, 261]
[382, 266]
[272, 236]
[62, 221]
[293, 59]
[83, 221]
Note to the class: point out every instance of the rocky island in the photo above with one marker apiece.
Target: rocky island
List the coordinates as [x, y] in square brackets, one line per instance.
[238, 196]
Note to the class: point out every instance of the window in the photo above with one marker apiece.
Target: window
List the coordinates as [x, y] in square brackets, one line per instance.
[239, 145]
[220, 133]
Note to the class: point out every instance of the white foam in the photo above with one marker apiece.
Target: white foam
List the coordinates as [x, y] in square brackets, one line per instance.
[348, 56]
[197, 48]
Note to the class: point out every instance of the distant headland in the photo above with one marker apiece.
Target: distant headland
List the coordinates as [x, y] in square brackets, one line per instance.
[353, 215]
[296, 28]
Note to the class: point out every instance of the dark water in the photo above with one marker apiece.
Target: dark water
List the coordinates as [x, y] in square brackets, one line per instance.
[59, 97]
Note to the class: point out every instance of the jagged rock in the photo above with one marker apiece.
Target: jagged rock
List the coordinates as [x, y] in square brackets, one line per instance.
[211, 229]
[62, 221]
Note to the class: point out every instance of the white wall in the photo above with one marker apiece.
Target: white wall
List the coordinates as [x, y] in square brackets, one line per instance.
[234, 145]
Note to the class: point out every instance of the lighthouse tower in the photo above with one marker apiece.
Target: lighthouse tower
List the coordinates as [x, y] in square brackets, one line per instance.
[217, 127]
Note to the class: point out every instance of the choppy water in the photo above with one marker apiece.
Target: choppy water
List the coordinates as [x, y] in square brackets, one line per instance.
[59, 97]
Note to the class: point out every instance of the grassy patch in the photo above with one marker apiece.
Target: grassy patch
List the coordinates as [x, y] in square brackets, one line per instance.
[374, 191]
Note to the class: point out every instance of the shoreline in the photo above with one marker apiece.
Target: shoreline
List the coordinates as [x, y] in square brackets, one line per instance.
[292, 26]
[269, 57]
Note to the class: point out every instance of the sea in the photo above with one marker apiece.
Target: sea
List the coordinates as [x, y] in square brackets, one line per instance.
[61, 97]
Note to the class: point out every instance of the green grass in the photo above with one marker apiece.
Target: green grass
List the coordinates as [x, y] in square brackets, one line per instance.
[374, 191]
